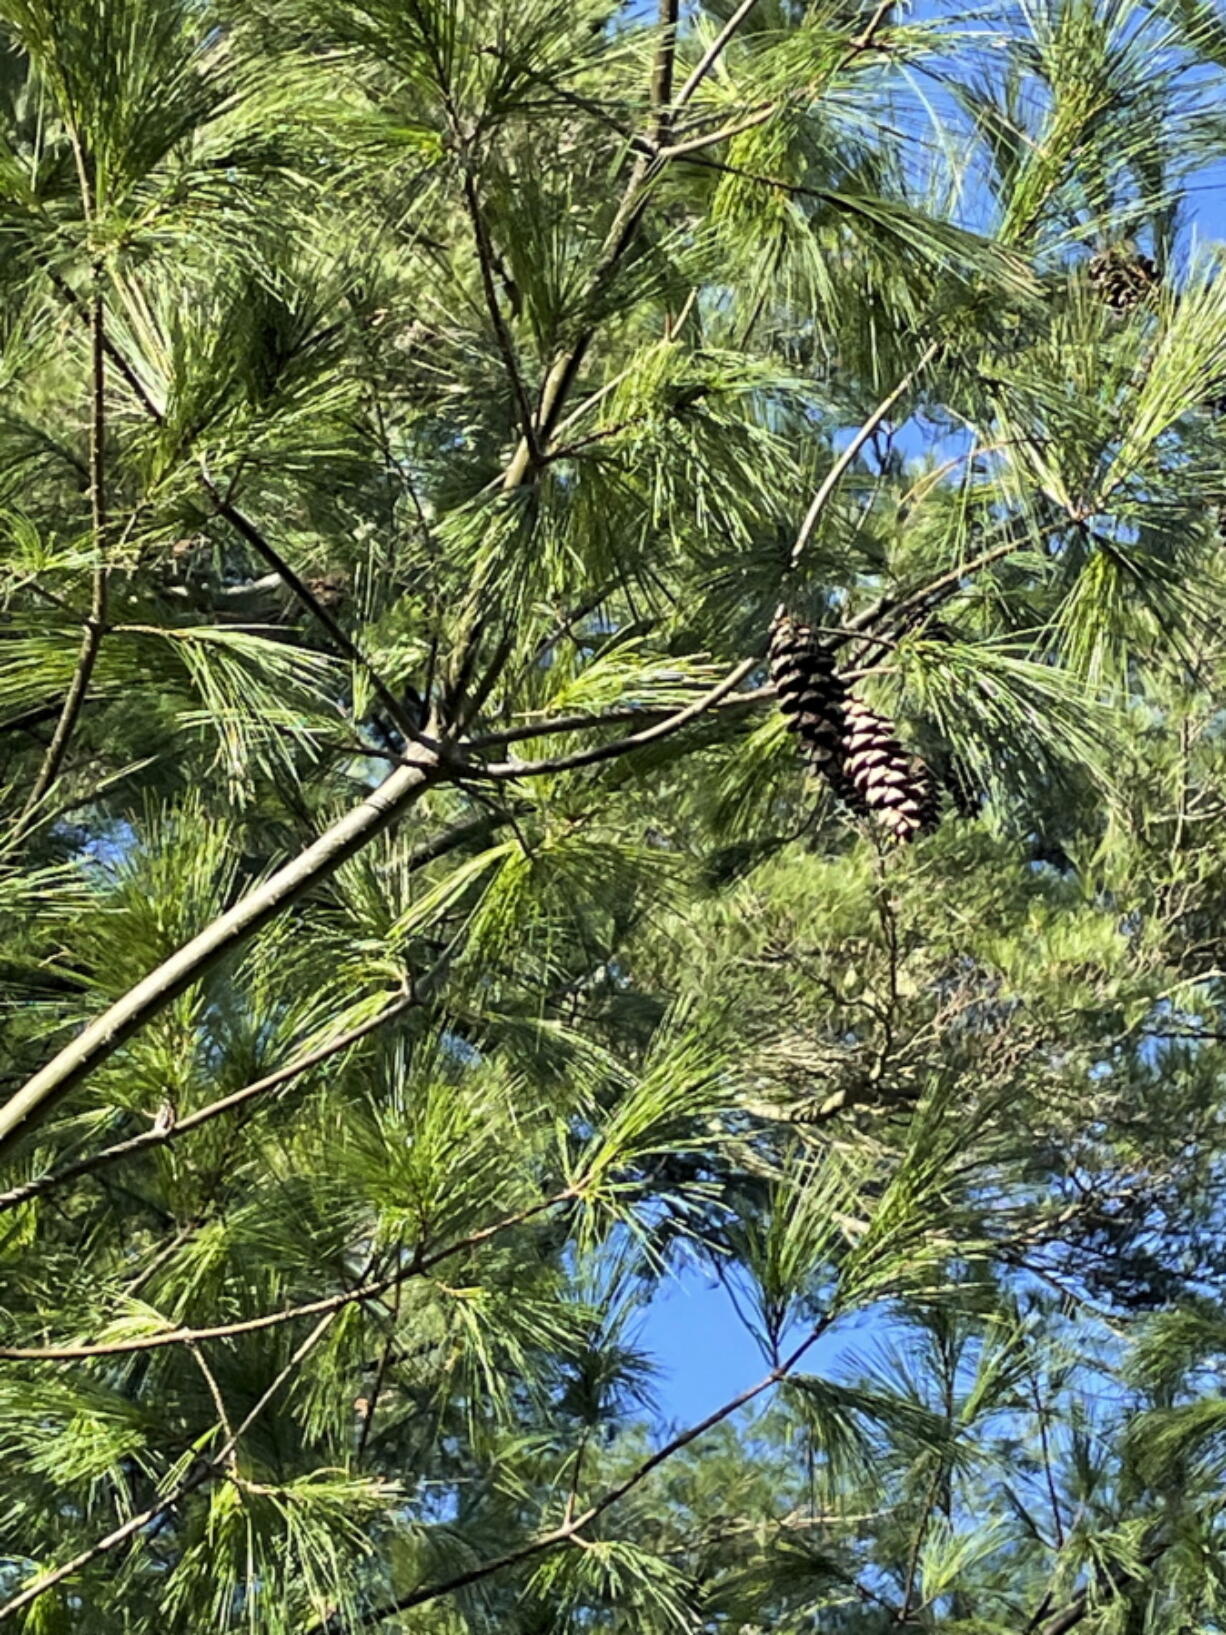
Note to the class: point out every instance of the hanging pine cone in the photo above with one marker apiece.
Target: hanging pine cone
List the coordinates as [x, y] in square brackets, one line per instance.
[852, 746]
[1122, 278]
[896, 787]
[812, 696]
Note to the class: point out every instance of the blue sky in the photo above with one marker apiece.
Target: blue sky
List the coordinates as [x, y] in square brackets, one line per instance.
[706, 1354]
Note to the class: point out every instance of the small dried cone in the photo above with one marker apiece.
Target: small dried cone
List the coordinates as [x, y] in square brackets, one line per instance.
[896, 788]
[813, 697]
[1122, 279]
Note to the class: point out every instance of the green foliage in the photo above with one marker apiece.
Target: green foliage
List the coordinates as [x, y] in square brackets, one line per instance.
[448, 382]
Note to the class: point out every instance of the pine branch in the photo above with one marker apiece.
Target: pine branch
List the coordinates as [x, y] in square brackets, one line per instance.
[202, 1473]
[1120, 1581]
[607, 718]
[149, 1139]
[621, 235]
[243, 525]
[570, 1530]
[510, 362]
[95, 624]
[105, 1035]
[102, 1037]
[259, 542]
[830, 481]
[714, 52]
[662, 75]
[934, 591]
[327, 1305]
[621, 746]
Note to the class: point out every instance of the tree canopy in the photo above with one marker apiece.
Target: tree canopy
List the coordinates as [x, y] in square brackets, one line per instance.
[611, 666]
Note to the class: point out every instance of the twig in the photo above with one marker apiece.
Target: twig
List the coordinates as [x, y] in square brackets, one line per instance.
[485, 261]
[849, 453]
[713, 52]
[95, 624]
[380, 1373]
[219, 1406]
[621, 746]
[580, 722]
[725, 133]
[1052, 1496]
[262, 545]
[945, 581]
[864, 40]
[662, 75]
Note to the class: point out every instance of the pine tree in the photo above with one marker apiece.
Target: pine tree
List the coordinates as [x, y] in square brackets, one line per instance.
[420, 935]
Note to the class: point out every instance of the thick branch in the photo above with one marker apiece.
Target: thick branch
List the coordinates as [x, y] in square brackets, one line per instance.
[97, 1042]
[259, 542]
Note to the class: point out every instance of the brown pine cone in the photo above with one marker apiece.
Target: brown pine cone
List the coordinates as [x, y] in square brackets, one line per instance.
[896, 787]
[1122, 279]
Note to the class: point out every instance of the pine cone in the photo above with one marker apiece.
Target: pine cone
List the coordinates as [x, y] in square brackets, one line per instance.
[852, 746]
[896, 787]
[1122, 279]
[812, 696]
